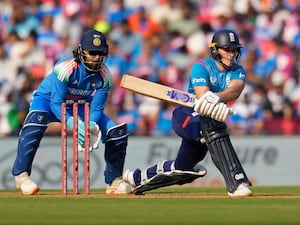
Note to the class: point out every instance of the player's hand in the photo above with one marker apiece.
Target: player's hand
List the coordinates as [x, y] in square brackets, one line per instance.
[70, 123]
[81, 136]
[95, 135]
[206, 104]
[221, 111]
[94, 142]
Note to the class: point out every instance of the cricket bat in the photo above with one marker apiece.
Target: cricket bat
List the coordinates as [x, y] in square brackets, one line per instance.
[158, 91]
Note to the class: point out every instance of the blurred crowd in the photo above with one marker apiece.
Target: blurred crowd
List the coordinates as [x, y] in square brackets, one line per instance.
[157, 40]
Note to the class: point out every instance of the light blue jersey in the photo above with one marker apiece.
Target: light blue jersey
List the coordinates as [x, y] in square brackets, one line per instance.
[206, 73]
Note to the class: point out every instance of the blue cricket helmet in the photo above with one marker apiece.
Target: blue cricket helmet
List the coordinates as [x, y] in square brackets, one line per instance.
[92, 50]
[93, 40]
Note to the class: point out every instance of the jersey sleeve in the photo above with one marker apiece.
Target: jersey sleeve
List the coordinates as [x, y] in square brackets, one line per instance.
[98, 104]
[198, 76]
[61, 72]
[107, 77]
[101, 94]
[239, 74]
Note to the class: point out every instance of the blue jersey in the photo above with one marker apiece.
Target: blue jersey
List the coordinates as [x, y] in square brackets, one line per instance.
[206, 73]
[70, 80]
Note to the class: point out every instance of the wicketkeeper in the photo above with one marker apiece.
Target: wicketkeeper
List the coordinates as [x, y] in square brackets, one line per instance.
[81, 76]
[215, 81]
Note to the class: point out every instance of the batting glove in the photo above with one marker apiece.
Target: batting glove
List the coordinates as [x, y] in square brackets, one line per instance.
[220, 112]
[206, 104]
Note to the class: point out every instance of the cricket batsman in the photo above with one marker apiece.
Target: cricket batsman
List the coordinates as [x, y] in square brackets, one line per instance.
[215, 81]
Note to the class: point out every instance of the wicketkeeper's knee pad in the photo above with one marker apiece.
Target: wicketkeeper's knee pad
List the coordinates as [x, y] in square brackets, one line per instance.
[115, 152]
[222, 152]
[30, 136]
[167, 178]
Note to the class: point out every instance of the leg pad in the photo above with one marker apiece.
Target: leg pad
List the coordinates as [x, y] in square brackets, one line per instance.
[222, 153]
[115, 152]
[169, 178]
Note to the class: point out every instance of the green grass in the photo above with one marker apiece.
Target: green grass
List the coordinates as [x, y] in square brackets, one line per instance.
[172, 205]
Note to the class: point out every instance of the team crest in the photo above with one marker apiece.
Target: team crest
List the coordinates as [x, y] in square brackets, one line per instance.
[231, 37]
[96, 40]
[93, 84]
[40, 118]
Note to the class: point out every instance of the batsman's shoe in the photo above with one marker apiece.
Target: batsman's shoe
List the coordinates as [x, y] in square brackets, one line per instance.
[25, 184]
[241, 191]
[141, 183]
[128, 178]
[118, 186]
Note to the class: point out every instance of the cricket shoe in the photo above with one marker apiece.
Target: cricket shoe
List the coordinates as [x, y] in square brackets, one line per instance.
[128, 178]
[118, 186]
[241, 191]
[25, 184]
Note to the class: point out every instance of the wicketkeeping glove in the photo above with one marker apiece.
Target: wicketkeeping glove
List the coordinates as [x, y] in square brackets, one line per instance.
[206, 104]
[95, 134]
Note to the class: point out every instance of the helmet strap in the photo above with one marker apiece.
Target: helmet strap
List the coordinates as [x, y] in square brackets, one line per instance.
[218, 58]
[222, 64]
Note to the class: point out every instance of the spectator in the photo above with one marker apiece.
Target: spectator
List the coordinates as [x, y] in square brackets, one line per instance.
[128, 41]
[20, 22]
[116, 61]
[276, 101]
[148, 63]
[142, 23]
[186, 24]
[34, 56]
[128, 113]
[292, 88]
[164, 121]
[269, 30]
[118, 12]
[48, 38]
[249, 116]
[166, 11]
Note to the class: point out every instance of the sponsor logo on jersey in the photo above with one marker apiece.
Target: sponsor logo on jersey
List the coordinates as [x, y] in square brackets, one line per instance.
[74, 91]
[198, 80]
[242, 75]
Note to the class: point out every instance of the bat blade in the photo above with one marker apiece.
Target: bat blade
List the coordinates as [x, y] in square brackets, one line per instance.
[158, 91]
